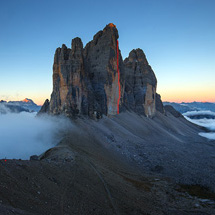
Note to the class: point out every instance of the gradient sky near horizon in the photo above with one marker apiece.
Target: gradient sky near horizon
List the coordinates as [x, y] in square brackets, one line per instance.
[177, 36]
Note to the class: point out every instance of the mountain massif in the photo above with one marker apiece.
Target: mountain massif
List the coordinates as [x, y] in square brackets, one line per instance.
[139, 158]
[26, 105]
[94, 80]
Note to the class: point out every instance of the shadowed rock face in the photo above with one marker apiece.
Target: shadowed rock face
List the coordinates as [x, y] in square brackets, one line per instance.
[101, 67]
[68, 80]
[85, 80]
[170, 110]
[140, 85]
[159, 104]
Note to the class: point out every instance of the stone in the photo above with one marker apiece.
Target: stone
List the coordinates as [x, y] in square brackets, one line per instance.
[86, 81]
[140, 85]
[34, 158]
[171, 110]
[45, 107]
[159, 104]
[101, 67]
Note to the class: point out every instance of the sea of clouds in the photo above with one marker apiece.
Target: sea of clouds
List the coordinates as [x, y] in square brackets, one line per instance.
[23, 134]
[207, 123]
[200, 112]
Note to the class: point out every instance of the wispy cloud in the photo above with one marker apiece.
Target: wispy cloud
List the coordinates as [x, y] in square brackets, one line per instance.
[23, 134]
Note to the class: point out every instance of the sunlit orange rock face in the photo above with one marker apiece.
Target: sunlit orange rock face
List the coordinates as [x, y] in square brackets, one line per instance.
[111, 25]
[26, 100]
[85, 79]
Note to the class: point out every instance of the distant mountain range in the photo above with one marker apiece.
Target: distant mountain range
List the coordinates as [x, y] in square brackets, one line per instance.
[192, 106]
[26, 105]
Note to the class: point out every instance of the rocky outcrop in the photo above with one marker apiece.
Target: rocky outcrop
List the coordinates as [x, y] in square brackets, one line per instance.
[95, 81]
[45, 107]
[169, 110]
[101, 66]
[159, 104]
[140, 84]
[68, 80]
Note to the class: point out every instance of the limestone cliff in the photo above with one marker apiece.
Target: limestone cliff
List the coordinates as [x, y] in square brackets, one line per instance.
[95, 81]
[140, 84]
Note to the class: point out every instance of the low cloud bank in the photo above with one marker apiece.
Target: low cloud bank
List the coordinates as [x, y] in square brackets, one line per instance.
[207, 123]
[194, 113]
[208, 135]
[23, 134]
[4, 109]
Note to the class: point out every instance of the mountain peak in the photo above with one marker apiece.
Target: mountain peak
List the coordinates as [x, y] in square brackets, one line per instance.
[111, 29]
[27, 100]
[111, 25]
[95, 81]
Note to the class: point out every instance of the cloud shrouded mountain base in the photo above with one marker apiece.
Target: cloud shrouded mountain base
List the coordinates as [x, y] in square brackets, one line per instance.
[23, 134]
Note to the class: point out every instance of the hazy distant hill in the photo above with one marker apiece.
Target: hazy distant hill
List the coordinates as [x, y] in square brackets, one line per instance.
[26, 105]
[192, 106]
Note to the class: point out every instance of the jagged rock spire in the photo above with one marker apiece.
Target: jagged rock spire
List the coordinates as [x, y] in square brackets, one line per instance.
[85, 80]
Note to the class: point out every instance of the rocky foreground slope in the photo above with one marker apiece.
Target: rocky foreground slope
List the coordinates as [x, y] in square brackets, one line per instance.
[126, 164]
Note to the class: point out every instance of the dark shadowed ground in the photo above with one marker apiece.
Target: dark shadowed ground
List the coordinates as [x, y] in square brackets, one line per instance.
[122, 165]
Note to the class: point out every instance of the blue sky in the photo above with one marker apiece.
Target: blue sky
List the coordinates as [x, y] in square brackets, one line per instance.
[177, 36]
